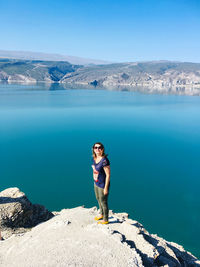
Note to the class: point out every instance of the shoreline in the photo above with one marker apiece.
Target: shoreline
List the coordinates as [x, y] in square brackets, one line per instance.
[178, 90]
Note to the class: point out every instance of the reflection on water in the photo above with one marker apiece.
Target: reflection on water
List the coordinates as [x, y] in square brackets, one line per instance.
[175, 90]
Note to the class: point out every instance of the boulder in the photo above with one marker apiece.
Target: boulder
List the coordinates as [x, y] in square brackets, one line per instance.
[18, 214]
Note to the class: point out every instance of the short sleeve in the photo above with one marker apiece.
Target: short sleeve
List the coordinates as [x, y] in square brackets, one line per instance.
[106, 162]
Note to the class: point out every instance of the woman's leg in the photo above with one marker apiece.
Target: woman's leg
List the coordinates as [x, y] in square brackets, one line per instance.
[97, 194]
[104, 203]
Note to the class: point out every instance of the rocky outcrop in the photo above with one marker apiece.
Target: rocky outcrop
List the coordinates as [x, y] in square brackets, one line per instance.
[20, 79]
[3, 76]
[73, 238]
[18, 214]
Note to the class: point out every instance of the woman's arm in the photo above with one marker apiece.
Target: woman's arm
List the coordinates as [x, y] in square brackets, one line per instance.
[107, 171]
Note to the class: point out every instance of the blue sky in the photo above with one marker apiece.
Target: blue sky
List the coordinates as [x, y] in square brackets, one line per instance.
[108, 30]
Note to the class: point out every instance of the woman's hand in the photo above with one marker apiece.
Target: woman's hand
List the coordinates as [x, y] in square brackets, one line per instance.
[105, 191]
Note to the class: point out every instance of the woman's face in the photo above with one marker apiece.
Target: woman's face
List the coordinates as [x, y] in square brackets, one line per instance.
[98, 149]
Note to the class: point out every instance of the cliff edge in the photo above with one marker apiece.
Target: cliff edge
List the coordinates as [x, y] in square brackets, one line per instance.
[71, 237]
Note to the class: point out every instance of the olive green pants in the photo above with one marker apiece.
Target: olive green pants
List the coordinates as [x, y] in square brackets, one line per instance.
[103, 201]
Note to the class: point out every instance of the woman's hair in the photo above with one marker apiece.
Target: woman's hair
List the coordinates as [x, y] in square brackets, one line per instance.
[103, 150]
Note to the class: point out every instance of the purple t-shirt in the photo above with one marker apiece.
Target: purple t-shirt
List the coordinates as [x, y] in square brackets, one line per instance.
[99, 174]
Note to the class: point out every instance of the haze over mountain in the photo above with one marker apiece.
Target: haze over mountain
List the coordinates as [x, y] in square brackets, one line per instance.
[29, 55]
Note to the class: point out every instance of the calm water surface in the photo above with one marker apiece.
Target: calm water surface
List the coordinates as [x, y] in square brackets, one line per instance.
[152, 141]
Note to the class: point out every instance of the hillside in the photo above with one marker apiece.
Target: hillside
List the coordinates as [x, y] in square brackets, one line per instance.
[156, 76]
[12, 70]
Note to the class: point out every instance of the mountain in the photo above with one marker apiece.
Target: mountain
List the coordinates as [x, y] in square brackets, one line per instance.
[149, 77]
[14, 70]
[28, 55]
[155, 76]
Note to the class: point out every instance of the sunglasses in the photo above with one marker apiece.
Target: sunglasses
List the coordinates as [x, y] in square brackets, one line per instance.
[98, 147]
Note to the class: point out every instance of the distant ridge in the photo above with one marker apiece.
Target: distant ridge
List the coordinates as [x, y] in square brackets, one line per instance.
[166, 77]
[28, 55]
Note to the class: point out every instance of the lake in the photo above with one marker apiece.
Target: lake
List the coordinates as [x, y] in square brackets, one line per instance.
[152, 141]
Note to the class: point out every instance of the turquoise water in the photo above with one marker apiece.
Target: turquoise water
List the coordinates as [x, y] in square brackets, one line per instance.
[152, 141]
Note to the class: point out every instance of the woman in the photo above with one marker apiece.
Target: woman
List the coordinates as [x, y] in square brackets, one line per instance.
[101, 175]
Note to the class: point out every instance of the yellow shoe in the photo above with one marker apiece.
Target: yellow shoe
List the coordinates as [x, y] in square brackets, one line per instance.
[103, 222]
[98, 218]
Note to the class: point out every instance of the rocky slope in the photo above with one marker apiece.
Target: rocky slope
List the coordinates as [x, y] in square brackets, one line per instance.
[163, 77]
[72, 238]
[151, 77]
[13, 70]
